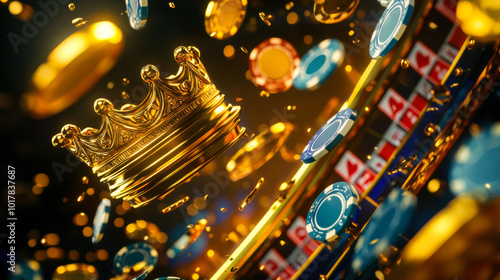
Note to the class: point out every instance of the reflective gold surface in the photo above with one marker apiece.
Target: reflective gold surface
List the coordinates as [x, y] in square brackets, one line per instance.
[72, 68]
[258, 151]
[223, 18]
[145, 151]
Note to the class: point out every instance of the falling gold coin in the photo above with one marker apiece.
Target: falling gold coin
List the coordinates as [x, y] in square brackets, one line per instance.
[223, 18]
[243, 49]
[171, 5]
[81, 197]
[223, 209]
[252, 194]
[175, 205]
[405, 63]
[125, 95]
[264, 18]
[125, 81]
[258, 151]
[85, 180]
[71, 6]
[334, 11]
[238, 99]
[458, 71]
[264, 94]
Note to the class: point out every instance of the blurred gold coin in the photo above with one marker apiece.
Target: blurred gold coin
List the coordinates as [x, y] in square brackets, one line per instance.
[334, 11]
[73, 271]
[480, 18]
[258, 151]
[223, 18]
[72, 68]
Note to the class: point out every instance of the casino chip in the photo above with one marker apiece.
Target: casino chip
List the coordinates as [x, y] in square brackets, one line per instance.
[475, 165]
[137, 11]
[274, 63]
[390, 27]
[28, 269]
[100, 220]
[384, 3]
[319, 63]
[140, 253]
[391, 219]
[332, 212]
[329, 135]
[223, 18]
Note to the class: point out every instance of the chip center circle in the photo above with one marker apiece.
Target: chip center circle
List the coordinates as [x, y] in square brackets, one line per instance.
[327, 211]
[383, 223]
[485, 173]
[316, 64]
[329, 132]
[275, 63]
[391, 24]
[135, 258]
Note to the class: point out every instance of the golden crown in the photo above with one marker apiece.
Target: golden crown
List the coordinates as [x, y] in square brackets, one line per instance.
[145, 151]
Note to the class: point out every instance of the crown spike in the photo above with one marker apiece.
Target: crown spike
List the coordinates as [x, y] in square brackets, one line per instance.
[103, 106]
[149, 73]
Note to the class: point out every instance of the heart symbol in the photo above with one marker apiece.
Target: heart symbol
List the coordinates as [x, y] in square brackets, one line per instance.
[351, 168]
[395, 106]
[422, 60]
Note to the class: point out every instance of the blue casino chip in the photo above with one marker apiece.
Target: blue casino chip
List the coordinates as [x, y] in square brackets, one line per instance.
[137, 11]
[100, 220]
[28, 269]
[329, 135]
[318, 64]
[391, 219]
[136, 253]
[475, 166]
[332, 212]
[383, 3]
[390, 27]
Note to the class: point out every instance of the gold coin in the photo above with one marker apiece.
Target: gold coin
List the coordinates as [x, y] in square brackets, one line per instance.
[334, 11]
[223, 18]
[75, 271]
[72, 68]
[258, 151]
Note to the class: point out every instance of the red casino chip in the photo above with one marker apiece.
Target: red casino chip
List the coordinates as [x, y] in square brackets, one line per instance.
[274, 63]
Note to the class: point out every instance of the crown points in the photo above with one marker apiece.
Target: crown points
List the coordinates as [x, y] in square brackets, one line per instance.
[184, 54]
[59, 141]
[103, 106]
[70, 131]
[149, 73]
